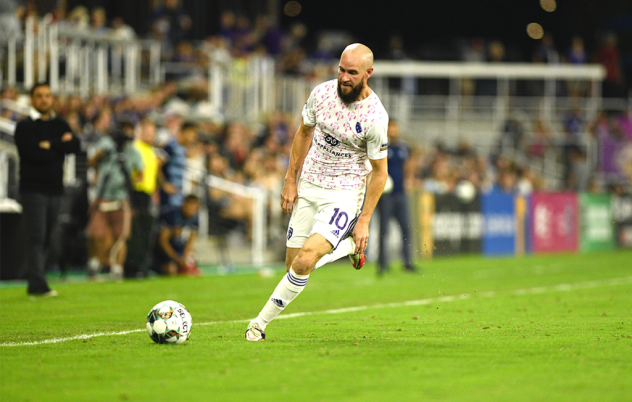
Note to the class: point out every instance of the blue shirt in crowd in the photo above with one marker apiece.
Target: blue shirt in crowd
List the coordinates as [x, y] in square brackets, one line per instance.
[173, 171]
[180, 226]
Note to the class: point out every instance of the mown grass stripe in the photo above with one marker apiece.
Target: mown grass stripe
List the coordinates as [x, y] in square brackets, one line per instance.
[564, 287]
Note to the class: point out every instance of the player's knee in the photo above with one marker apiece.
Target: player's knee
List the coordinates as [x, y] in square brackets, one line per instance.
[305, 261]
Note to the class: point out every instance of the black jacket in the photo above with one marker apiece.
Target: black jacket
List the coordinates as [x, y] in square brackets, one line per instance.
[42, 170]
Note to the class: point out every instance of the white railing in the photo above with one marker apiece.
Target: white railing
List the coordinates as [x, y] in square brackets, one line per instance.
[8, 153]
[242, 89]
[259, 217]
[75, 61]
[506, 76]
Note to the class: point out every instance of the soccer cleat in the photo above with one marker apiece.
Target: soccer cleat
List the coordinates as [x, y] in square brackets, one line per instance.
[357, 260]
[48, 293]
[116, 272]
[94, 268]
[254, 332]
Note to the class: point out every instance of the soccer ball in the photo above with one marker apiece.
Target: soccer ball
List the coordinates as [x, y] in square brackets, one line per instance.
[169, 322]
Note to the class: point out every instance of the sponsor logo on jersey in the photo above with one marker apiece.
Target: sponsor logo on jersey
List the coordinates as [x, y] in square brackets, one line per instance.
[331, 140]
[384, 147]
[336, 232]
[331, 151]
[290, 232]
[358, 128]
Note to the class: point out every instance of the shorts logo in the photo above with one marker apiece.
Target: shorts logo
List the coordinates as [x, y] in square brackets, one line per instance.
[358, 128]
[331, 140]
[336, 232]
[290, 232]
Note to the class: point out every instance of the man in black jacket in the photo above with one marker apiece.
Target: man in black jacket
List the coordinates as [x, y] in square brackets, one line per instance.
[43, 139]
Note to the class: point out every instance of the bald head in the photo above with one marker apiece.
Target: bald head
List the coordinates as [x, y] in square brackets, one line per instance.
[355, 69]
[361, 54]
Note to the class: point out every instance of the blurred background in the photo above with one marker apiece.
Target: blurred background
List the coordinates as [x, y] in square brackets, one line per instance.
[516, 114]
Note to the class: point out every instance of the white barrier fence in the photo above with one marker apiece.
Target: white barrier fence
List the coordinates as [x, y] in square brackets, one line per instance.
[76, 61]
[259, 215]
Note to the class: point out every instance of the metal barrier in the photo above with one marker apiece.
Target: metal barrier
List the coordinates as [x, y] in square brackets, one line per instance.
[259, 226]
[82, 62]
[8, 169]
[243, 88]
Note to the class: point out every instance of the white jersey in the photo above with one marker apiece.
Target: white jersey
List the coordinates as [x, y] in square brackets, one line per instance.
[345, 138]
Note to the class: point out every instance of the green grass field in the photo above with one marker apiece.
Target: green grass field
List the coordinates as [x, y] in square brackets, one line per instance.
[536, 328]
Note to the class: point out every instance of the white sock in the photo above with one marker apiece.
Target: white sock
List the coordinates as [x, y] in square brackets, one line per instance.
[288, 288]
[345, 248]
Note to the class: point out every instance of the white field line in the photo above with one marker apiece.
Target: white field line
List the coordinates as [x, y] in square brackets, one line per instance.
[565, 287]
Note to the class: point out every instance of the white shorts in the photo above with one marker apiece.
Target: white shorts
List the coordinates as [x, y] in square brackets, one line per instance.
[330, 213]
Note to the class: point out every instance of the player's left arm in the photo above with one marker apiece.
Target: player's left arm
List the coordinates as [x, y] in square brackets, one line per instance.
[377, 153]
[373, 193]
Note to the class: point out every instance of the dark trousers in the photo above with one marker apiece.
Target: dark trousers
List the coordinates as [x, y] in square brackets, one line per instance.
[39, 212]
[394, 205]
[139, 245]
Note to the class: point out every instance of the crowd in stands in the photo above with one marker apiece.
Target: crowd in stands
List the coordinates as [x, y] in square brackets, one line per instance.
[187, 150]
[302, 50]
[594, 156]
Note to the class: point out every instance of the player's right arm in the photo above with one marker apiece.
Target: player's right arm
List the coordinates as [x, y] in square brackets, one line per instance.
[300, 146]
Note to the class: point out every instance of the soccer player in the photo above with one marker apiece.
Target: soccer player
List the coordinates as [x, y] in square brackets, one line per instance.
[346, 125]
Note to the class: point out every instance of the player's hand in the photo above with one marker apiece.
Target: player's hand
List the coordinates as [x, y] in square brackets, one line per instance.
[44, 144]
[361, 236]
[66, 137]
[289, 194]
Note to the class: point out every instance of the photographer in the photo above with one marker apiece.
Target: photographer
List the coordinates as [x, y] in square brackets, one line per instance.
[118, 164]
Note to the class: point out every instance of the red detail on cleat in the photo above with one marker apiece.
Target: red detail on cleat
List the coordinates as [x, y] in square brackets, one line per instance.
[357, 260]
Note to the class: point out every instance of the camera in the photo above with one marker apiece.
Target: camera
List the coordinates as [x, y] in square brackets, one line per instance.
[121, 138]
[123, 134]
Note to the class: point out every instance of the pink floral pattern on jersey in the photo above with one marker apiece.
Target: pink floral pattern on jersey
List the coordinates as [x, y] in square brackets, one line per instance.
[338, 156]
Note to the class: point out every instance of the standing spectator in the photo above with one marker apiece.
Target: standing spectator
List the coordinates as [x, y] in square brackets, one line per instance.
[227, 27]
[120, 30]
[495, 54]
[140, 241]
[574, 148]
[546, 51]
[576, 54]
[178, 231]
[608, 55]
[110, 221]
[273, 35]
[395, 203]
[75, 205]
[172, 22]
[506, 181]
[539, 141]
[610, 141]
[172, 179]
[10, 21]
[195, 171]
[79, 19]
[99, 20]
[43, 140]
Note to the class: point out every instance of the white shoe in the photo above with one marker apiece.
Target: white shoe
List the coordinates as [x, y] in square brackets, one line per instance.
[116, 272]
[254, 332]
[94, 267]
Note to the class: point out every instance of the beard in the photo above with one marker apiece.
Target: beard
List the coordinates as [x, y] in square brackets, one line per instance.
[352, 95]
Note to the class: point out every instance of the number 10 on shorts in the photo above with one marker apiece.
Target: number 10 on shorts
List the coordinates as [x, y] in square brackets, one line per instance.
[340, 219]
